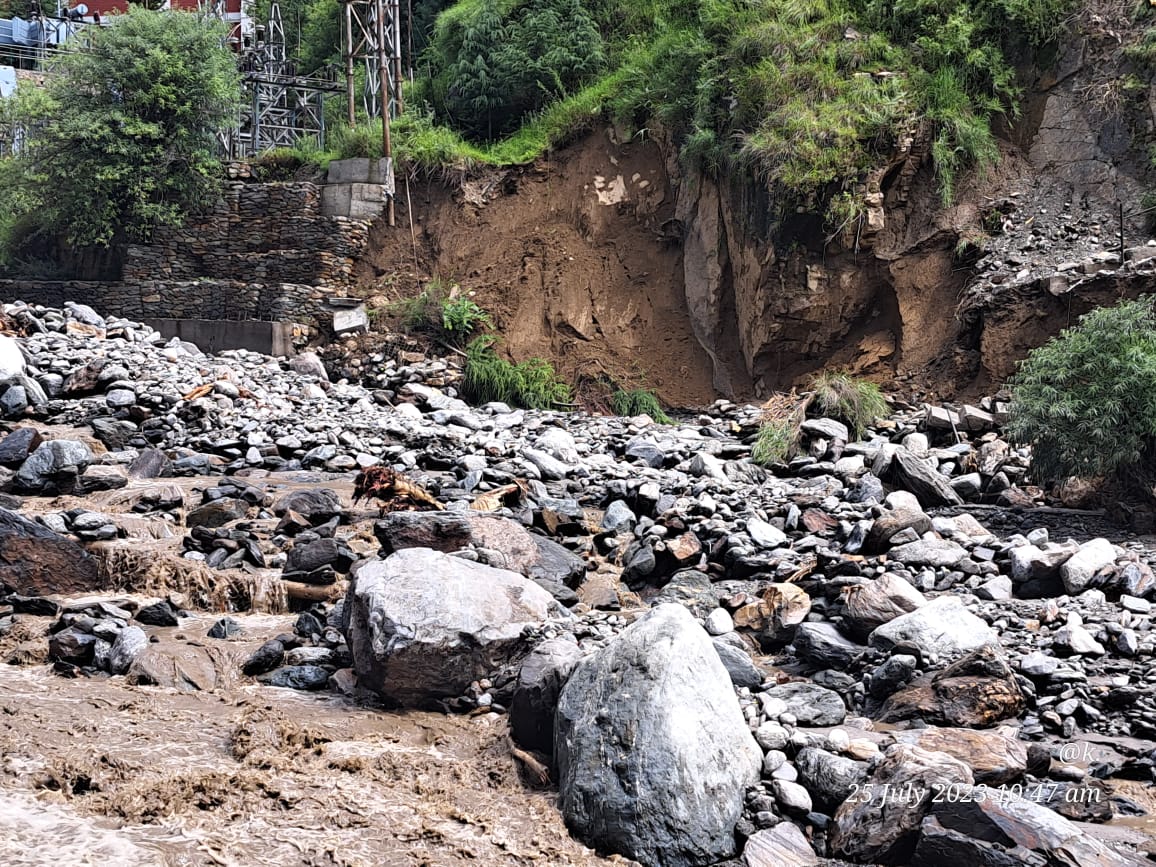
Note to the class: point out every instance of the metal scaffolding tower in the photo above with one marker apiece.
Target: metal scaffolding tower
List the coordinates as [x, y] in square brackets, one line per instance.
[371, 35]
[281, 109]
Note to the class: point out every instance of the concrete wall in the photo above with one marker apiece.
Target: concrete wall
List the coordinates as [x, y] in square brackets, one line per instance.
[213, 335]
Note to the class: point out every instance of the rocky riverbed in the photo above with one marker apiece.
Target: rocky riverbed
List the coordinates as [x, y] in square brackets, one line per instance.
[615, 638]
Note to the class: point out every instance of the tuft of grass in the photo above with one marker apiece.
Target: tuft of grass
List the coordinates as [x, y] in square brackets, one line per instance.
[778, 435]
[853, 401]
[638, 401]
[775, 442]
[532, 384]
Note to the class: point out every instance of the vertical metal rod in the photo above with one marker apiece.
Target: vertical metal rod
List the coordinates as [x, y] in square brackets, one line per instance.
[347, 11]
[395, 48]
[385, 70]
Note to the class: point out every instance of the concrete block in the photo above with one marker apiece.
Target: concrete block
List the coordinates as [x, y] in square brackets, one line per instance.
[357, 171]
[350, 320]
[269, 338]
[364, 201]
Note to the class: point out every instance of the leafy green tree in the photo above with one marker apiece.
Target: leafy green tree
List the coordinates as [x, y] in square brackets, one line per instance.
[494, 62]
[122, 140]
[1086, 400]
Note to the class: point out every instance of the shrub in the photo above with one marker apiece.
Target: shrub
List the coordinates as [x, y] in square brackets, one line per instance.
[122, 138]
[532, 384]
[461, 317]
[855, 402]
[638, 401]
[496, 62]
[1086, 400]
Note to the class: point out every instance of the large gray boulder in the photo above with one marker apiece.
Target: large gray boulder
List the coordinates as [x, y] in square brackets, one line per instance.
[422, 624]
[653, 753]
[943, 626]
[912, 473]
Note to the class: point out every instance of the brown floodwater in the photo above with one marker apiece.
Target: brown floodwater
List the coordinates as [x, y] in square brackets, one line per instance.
[95, 771]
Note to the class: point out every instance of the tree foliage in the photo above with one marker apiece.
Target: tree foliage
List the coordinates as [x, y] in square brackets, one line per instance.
[1086, 400]
[496, 62]
[122, 138]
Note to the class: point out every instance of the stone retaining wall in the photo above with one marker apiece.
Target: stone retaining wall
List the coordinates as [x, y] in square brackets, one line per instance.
[267, 252]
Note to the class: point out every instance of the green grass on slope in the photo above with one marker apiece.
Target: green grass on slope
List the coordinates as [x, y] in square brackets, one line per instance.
[807, 95]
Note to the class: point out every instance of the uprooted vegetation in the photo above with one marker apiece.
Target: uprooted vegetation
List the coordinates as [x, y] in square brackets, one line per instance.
[855, 402]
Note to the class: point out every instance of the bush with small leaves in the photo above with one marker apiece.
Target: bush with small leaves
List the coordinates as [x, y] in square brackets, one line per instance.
[1085, 401]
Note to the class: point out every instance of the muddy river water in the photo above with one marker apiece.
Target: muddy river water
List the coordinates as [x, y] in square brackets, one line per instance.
[95, 771]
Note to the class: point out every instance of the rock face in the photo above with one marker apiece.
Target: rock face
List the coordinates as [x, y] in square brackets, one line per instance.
[422, 625]
[653, 752]
[34, 561]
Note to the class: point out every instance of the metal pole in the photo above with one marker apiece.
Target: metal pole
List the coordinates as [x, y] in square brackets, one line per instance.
[395, 17]
[384, 68]
[347, 11]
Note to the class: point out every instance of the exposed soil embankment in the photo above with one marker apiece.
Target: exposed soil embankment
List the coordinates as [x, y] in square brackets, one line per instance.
[577, 259]
[611, 261]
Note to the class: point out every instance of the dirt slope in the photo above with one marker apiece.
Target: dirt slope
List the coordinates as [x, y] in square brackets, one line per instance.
[576, 258]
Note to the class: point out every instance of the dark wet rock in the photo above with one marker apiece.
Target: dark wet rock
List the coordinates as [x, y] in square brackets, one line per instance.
[829, 778]
[441, 531]
[160, 613]
[812, 705]
[53, 467]
[217, 513]
[822, 645]
[72, 645]
[308, 624]
[18, 445]
[34, 561]
[304, 677]
[39, 606]
[540, 679]
[225, 628]
[658, 699]
[265, 658]
[423, 625]
[317, 505]
[739, 665]
[308, 558]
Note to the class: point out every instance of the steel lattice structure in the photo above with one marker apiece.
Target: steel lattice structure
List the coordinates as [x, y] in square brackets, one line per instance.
[371, 35]
[281, 109]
